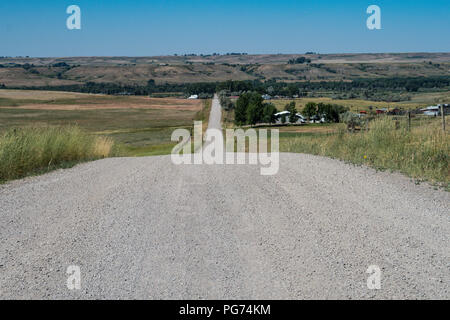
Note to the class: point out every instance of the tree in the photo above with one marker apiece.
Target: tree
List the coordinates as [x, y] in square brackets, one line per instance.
[330, 112]
[240, 111]
[255, 109]
[293, 111]
[310, 110]
[269, 112]
[412, 86]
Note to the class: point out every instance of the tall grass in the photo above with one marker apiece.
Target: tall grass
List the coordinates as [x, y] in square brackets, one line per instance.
[25, 151]
[422, 152]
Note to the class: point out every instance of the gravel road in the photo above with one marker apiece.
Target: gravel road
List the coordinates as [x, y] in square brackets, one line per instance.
[144, 228]
[215, 116]
[147, 229]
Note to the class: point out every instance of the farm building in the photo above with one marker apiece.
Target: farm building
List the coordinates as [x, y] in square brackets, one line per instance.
[435, 110]
[381, 111]
[285, 114]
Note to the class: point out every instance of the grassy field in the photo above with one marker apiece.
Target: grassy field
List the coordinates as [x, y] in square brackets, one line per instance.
[418, 100]
[140, 125]
[422, 153]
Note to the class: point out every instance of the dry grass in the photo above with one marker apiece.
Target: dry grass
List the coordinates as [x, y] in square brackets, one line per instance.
[54, 100]
[30, 150]
[422, 153]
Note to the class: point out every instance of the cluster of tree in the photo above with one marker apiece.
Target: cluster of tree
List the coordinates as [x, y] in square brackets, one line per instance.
[331, 112]
[299, 60]
[27, 66]
[251, 109]
[225, 101]
[60, 65]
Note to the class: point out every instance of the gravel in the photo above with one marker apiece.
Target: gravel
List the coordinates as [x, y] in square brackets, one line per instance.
[145, 228]
[215, 116]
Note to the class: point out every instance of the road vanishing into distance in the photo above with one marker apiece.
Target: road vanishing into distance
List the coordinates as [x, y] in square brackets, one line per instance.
[144, 228]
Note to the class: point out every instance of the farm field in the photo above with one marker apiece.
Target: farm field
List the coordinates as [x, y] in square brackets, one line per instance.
[418, 100]
[140, 125]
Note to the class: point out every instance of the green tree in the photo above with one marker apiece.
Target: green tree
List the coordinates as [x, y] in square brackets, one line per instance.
[255, 109]
[293, 111]
[269, 112]
[240, 110]
[310, 110]
[330, 112]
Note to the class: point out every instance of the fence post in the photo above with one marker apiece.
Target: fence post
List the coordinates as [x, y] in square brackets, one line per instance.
[443, 117]
[409, 120]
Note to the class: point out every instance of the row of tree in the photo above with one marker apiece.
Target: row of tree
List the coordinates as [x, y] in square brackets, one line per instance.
[331, 112]
[364, 88]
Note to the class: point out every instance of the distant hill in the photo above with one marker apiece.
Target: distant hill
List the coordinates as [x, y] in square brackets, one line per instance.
[32, 72]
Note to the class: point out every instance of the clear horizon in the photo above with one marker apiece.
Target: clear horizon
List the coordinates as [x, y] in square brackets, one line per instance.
[166, 27]
[222, 54]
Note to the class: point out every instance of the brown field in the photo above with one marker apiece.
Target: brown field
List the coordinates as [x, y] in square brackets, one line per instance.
[54, 100]
[142, 125]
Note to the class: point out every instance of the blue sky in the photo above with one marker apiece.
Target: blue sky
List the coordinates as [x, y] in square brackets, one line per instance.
[157, 27]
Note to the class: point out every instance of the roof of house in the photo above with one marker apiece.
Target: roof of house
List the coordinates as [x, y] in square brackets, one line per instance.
[282, 113]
